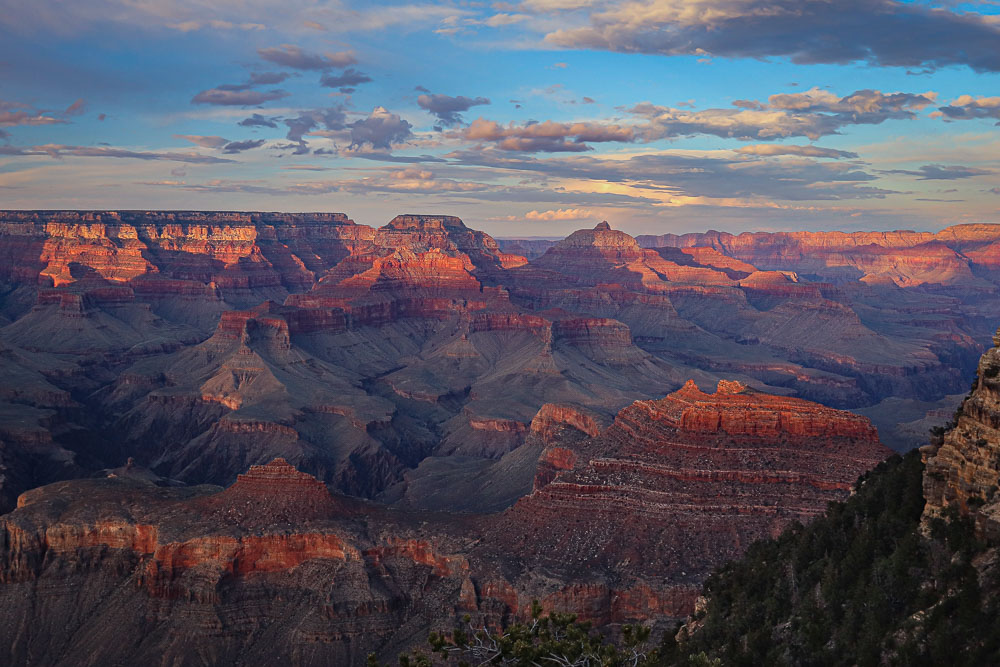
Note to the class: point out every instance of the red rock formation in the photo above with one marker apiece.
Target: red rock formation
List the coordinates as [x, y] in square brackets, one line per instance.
[903, 258]
[676, 486]
[271, 494]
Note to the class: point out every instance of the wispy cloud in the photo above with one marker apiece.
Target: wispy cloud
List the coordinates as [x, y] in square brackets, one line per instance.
[289, 55]
[245, 98]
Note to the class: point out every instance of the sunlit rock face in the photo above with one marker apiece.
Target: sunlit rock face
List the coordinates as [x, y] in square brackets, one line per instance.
[954, 256]
[393, 362]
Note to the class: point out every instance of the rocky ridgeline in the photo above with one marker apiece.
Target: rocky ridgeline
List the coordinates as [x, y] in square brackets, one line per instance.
[963, 465]
[955, 255]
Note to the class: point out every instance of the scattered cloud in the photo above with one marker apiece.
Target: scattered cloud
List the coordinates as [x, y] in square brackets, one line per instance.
[257, 120]
[447, 109]
[967, 107]
[813, 114]
[943, 172]
[223, 97]
[76, 108]
[676, 174]
[289, 55]
[333, 118]
[61, 150]
[560, 214]
[803, 151]
[877, 32]
[203, 141]
[15, 113]
[240, 146]
[548, 137]
[381, 129]
[346, 81]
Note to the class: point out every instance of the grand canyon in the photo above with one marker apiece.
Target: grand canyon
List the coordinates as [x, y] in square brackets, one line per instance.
[258, 437]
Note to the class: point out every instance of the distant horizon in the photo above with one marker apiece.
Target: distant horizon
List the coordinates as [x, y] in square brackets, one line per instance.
[498, 236]
[531, 117]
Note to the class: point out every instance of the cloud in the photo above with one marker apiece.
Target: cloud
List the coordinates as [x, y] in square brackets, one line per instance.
[967, 107]
[215, 24]
[560, 214]
[267, 78]
[501, 20]
[813, 114]
[61, 150]
[76, 108]
[203, 141]
[223, 97]
[804, 151]
[942, 172]
[449, 109]
[333, 118]
[240, 146]
[257, 120]
[292, 56]
[548, 137]
[684, 175]
[380, 130]
[348, 79]
[877, 32]
[15, 113]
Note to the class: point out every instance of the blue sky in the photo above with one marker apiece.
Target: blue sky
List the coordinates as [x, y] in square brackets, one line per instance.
[528, 118]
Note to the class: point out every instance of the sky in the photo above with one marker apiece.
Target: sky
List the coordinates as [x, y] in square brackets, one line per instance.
[526, 118]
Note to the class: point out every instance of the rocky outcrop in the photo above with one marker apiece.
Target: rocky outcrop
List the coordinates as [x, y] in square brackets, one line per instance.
[679, 485]
[963, 464]
[143, 571]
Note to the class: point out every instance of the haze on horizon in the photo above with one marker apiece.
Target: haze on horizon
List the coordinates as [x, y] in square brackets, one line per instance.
[528, 118]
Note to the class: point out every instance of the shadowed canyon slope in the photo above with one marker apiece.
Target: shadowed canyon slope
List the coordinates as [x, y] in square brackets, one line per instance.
[407, 363]
[624, 522]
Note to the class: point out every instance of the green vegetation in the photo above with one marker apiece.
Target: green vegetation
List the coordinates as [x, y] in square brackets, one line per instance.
[858, 586]
[554, 639]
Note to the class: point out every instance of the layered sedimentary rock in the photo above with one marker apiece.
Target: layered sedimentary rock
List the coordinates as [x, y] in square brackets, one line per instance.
[622, 526]
[904, 258]
[396, 360]
[963, 464]
[270, 570]
[645, 509]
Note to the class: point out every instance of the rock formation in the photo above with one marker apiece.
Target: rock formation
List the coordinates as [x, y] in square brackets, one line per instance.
[622, 526]
[677, 486]
[963, 464]
[392, 361]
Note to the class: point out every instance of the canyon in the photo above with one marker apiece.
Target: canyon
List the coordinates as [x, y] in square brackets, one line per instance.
[296, 430]
[622, 525]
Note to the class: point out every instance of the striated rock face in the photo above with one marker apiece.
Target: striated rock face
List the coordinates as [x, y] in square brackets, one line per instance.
[677, 486]
[622, 526]
[903, 258]
[271, 494]
[135, 573]
[963, 466]
[395, 361]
